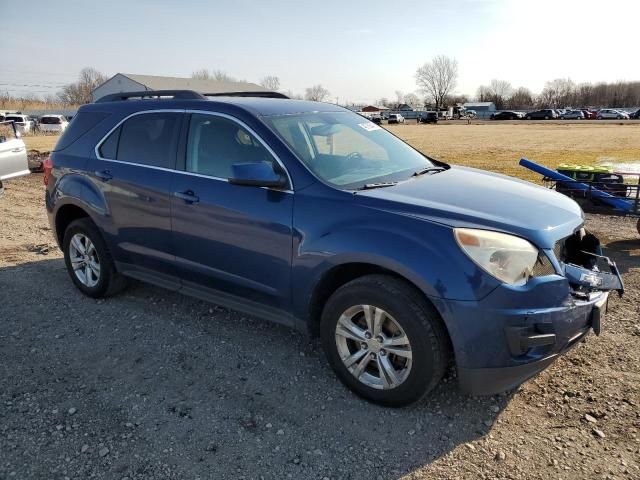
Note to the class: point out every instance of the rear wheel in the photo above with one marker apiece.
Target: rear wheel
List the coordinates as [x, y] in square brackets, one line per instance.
[88, 260]
[383, 340]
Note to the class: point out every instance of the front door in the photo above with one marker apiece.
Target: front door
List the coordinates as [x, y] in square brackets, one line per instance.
[230, 238]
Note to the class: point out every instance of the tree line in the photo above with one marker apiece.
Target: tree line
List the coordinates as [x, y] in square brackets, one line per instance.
[436, 81]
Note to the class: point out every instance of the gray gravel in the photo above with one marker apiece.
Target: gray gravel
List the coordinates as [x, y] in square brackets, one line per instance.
[151, 384]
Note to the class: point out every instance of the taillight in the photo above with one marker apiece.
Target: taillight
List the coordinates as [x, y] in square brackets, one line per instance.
[47, 165]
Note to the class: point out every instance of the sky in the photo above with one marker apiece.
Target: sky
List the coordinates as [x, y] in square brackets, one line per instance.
[359, 50]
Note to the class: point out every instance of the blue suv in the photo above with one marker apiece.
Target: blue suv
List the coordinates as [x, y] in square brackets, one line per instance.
[312, 216]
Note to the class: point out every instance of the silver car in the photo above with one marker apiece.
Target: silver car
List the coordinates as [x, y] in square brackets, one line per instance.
[572, 115]
[607, 113]
[13, 154]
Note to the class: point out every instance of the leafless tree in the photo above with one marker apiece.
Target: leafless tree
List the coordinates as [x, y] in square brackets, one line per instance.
[80, 92]
[219, 75]
[521, 98]
[294, 96]
[560, 92]
[438, 78]
[399, 97]
[413, 101]
[482, 94]
[499, 91]
[317, 93]
[271, 82]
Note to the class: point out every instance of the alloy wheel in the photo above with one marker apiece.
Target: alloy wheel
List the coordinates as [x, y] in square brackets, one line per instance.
[84, 260]
[373, 347]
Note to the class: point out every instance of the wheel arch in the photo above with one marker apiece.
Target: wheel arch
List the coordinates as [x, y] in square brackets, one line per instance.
[340, 275]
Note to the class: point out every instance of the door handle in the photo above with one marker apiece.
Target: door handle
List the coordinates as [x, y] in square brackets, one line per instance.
[188, 196]
[104, 175]
[17, 150]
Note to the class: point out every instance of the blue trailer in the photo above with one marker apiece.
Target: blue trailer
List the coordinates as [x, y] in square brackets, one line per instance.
[596, 195]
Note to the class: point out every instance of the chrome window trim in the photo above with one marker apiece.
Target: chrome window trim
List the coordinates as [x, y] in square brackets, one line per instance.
[184, 172]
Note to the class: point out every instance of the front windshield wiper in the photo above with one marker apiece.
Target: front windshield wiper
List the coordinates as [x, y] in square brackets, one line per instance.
[428, 170]
[369, 186]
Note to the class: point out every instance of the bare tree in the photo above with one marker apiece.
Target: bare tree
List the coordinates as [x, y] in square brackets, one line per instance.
[499, 91]
[482, 94]
[521, 98]
[271, 82]
[317, 93]
[399, 97]
[413, 100]
[202, 74]
[80, 92]
[219, 75]
[438, 78]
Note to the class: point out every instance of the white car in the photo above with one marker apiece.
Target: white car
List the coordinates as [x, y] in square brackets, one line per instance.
[572, 115]
[13, 154]
[396, 118]
[53, 123]
[24, 123]
[612, 113]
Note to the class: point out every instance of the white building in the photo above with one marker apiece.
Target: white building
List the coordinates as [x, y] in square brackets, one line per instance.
[127, 82]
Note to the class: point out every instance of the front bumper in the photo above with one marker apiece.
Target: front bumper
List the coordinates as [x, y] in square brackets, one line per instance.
[516, 332]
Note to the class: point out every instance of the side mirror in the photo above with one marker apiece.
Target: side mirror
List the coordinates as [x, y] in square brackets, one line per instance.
[257, 174]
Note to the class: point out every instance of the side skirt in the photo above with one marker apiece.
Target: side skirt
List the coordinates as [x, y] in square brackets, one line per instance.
[223, 299]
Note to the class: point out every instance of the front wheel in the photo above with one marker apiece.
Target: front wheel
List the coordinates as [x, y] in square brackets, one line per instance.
[88, 260]
[384, 340]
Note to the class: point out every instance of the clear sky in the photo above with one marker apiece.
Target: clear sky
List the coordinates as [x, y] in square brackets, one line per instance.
[358, 50]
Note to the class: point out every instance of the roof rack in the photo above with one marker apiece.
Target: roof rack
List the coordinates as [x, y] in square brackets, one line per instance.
[183, 95]
[174, 94]
[264, 94]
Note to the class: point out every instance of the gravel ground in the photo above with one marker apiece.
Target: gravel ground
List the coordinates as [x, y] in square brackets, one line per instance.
[152, 384]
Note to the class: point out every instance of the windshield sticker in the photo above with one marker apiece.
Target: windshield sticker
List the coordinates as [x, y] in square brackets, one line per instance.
[369, 126]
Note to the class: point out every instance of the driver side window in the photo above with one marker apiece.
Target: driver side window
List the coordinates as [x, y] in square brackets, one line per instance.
[216, 143]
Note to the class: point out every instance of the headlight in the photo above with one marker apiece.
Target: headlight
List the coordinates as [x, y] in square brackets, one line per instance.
[508, 258]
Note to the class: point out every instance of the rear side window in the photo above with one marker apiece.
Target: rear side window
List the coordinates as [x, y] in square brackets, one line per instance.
[146, 139]
[82, 122]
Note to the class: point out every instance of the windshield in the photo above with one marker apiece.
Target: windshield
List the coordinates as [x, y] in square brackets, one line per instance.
[346, 150]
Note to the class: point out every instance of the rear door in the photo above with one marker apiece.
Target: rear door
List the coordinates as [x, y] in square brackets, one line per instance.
[134, 170]
[13, 154]
[230, 238]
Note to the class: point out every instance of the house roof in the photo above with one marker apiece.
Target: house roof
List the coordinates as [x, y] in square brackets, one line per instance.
[154, 82]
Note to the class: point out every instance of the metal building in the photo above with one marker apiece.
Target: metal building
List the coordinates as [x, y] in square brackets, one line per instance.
[127, 82]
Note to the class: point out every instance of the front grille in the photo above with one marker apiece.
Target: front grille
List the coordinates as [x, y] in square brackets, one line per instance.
[543, 267]
[559, 250]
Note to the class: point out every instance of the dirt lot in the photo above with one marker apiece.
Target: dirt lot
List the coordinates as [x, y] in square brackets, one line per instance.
[152, 384]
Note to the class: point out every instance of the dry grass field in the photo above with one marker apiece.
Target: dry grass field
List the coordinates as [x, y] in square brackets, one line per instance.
[498, 147]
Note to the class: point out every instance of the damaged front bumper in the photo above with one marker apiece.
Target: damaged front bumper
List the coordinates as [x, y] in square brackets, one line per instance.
[517, 331]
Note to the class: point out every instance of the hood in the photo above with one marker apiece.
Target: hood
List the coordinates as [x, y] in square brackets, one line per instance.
[467, 197]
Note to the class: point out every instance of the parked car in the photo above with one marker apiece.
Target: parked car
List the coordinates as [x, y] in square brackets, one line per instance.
[376, 118]
[572, 115]
[13, 154]
[395, 118]
[635, 115]
[506, 115]
[53, 123]
[546, 114]
[428, 117]
[307, 214]
[589, 114]
[608, 113]
[24, 123]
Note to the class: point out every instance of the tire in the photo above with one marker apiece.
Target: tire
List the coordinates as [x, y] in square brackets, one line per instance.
[1, 190]
[546, 117]
[403, 307]
[107, 281]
